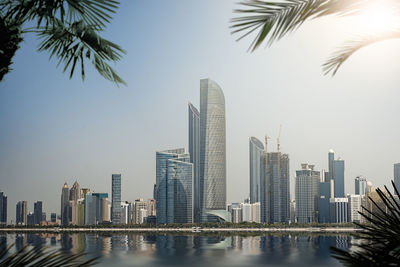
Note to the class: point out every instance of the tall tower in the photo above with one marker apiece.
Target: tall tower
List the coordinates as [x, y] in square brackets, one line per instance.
[116, 199]
[65, 204]
[21, 212]
[338, 174]
[194, 151]
[75, 192]
[3, 208]
[256, 150]
[212, 147]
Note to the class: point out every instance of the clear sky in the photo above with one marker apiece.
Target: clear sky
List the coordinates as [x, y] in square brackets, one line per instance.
[56, 130]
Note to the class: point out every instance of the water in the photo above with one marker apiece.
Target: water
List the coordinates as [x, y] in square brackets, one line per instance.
[192, 250]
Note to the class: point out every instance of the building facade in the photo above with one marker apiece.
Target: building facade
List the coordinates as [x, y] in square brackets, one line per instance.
[338, 174]
[339, 209]
[355, 202]
[324, 204]
[307, 194]
[256, 151]
[116, 198]
[3, 208]
[37, 211]
[21, 212]
[65, 204]
[396, 175]
[360, 185]
[194, 151]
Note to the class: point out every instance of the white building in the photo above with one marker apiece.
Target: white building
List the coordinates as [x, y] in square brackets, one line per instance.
[236, 215]
[246, 212]
[256, 212]
[354, 208]
[142, 216]
[124, 212]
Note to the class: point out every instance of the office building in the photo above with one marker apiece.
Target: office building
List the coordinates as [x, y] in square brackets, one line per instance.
[236, 215]
[212, 152]
[75, 192]
[105, 210]
[3, 208]
[151, 207]
[53, 217]
[174, 178]
[30, 218]
[93, 208]
[293, 211]
[21, 212]
[37, 211]
[246, 212]
[360, 184]
[65, 204]
[355, 202]
[339, 210]
[90, 209]
[194, 152]
[324, 204]
[396, 175]
[256, 212]
[338, 174]
[307, 194]
[256, 151]
[139, 204]
[83, 192]
[142, 216]
[125, 211]
[116, 199]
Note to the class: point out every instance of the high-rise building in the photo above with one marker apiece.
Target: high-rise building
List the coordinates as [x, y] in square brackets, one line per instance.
[338, 174]
[236, 215]
[396, 173]
[30, 218]
[360, 184]
[125, 211]
[3, 208]
[194, 152]
[90, 209]
[139, 204]
[307, 194]
[142, 216]
[105, 210]
[246, 212]
[21, 212]
[37, 211]
[65, 204]
[75, 192]
[151, 207]
[293, 211]
[83, 192]
[53, 217]
[331, 158]
[324, 204]
[116, 199]
[256, 150]
[339, 209]
[256, 212]
[355, 202]
[174, 178]
[212, 152]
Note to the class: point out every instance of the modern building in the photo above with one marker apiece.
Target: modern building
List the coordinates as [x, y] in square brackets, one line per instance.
[355, 202]
[256, 212]
[339, 209]
[139, 204]
[246, 212]
[293, 211]
[307, 194]
[338, 174]
[53, 217]
[21, 212]
[142, 216]
[151, 207]
[396, 176]
[324, 204]
[30, 218]
[331, 158]
[125, 211]
[105, 210]
[237, 215]
[256, 151]
[116, 199]
[94, 210]
[212, 152]
[83, 192]
[3, 208]
[90, 209]
[37, 211]
[75, 192]
[194, 151]
[65, 204]
[174, 179]
[360, 184]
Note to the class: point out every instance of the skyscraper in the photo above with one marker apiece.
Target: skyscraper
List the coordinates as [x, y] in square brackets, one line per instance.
[307, 194]
[212, 151]
[338, 174]
[331, 158]
[174, 179]
[65, 204]
[256, 149]
[396, 175]
[194, 151]
[75, 192]
[116, 199]
[37, 212]
[3, 208]
[21, 212]
[360, 184]
[325, 195]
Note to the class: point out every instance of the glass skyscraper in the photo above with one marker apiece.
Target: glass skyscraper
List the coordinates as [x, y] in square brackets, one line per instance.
[256, 150]
[65, 204]
[3, 208]
[37, 212]
[212, 148]
[338, 174]
[21, 212]
[360, 185]
[194, 151]
[116, 199]
[174, 187]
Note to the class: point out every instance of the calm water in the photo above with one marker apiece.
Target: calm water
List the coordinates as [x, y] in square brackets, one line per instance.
[189, 250]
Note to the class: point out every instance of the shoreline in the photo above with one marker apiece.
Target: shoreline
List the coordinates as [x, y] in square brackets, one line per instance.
[185, 230]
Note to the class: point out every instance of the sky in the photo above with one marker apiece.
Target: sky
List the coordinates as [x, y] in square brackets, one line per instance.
[56, 130]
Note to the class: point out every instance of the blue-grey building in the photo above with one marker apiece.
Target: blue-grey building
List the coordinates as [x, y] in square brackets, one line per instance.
[396, 176]
[338, 174]
[331, 158]
[194, 151]
[174, 187]
[360, 184]
[256, 166]
[325, 193]
[3, 208]
[21, 212]
[90, 209]
[37, 211]
[339, 210]
[116, 199]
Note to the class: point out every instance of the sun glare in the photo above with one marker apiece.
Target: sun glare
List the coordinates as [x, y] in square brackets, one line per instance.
[379, 17]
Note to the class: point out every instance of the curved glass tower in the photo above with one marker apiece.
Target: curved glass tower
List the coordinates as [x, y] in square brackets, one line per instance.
[212, 147]
[194, 151]
[256, 149]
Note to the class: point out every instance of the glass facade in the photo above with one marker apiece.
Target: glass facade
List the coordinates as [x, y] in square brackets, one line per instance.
[38, 210]
[90, 209]
[256, 150]
[194, 151]
[116, 199]
[325, 192]
[65, 204]
[3, 208]
[360, 184]
[338, 174]
[212, 147]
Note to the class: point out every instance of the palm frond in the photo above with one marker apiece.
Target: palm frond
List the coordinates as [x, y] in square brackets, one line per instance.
[350, 47]
[42, 256]
[80, 42]
[275, 19]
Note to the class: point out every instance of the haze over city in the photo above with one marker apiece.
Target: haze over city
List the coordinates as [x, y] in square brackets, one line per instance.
[56, 130]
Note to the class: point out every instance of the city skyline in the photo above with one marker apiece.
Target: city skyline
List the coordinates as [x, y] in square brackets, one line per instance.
[56, 130]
